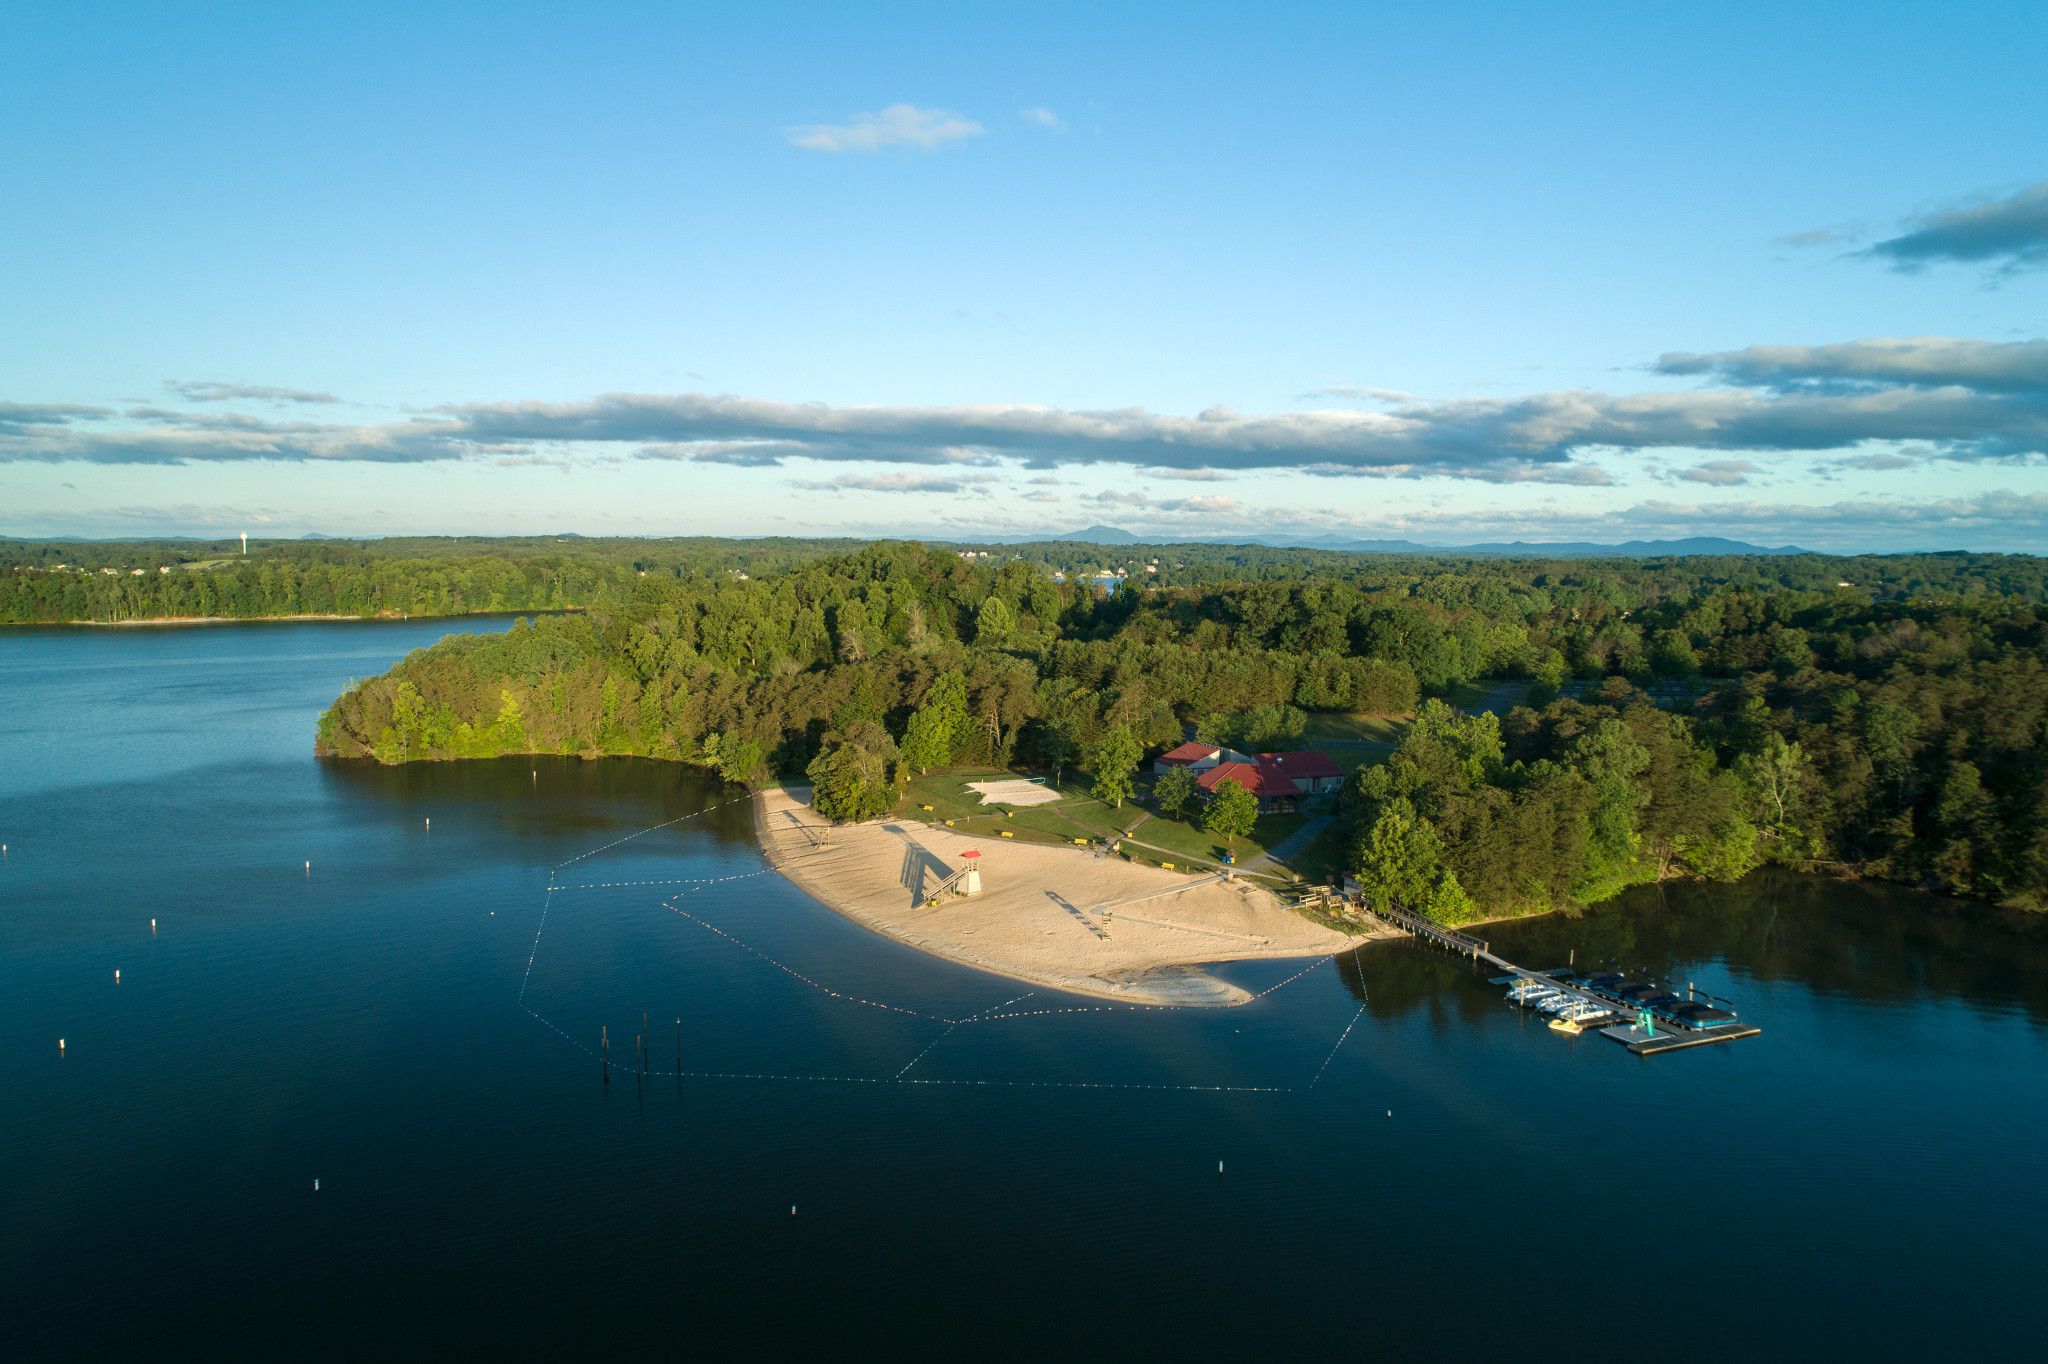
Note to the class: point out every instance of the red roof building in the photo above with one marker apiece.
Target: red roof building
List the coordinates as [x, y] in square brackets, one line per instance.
[1309, 772]
[1261, 781]
[1187, 755]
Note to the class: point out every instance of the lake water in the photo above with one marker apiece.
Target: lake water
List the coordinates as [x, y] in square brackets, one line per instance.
[1866, 1177]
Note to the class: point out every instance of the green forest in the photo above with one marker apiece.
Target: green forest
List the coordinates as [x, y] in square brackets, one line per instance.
[112, 582]
[1882, 717]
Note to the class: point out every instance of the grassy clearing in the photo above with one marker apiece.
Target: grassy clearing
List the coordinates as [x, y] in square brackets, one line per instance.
[1340, 727]
[1078, 815]
[1495, 695]
[1355, 740]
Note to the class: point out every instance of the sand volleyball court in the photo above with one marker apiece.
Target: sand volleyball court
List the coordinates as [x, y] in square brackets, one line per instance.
[1014, 791]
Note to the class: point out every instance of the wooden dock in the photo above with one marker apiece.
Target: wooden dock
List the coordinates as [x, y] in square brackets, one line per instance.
[1639, 1041]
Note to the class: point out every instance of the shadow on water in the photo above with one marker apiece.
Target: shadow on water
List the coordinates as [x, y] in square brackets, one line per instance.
[1855, 939]
[551, 794]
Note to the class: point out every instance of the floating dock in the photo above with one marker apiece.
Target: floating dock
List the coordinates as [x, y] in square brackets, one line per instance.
[1662, 1021]
[1632, 1036]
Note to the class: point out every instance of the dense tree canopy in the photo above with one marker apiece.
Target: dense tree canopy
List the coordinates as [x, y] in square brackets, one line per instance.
[1685, 717]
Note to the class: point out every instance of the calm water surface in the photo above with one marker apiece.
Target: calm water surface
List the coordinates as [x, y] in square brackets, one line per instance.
[1866, 1177]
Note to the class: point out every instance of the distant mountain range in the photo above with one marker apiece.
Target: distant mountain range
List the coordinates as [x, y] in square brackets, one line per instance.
[1520, 549]
[1116, 535]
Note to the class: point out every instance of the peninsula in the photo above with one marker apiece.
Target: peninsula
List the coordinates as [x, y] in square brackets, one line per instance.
[1040, 915]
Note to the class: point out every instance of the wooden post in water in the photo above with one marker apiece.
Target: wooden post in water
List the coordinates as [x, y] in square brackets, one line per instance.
[604, 1044]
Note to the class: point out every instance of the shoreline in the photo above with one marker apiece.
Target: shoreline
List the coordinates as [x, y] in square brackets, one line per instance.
[1029, 924]
[379, 618]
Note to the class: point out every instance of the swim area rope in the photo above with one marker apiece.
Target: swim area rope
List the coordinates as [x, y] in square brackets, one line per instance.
[996, 1013]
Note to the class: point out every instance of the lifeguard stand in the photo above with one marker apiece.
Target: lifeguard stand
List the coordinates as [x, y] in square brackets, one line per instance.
[966, 881]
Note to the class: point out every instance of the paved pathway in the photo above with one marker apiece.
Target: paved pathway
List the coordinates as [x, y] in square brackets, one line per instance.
[1293, 843]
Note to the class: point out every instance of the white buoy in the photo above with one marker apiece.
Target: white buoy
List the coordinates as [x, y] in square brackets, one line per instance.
[1219, 1167]
[430, 821]
[1390, 1112]
[792, 1210]
[117, 975]
[309, 869]
[152, 925]
[60, 1052]
[316, 1186]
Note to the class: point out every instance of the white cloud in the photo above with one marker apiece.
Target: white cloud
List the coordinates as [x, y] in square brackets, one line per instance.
[1191, 475]
[1721, 473]
[899, 125]
[1956, 399]
[1359, 393]
[897, 483]
[1208, 504]
[1926, 361]
[1038, 116]
[196, 391]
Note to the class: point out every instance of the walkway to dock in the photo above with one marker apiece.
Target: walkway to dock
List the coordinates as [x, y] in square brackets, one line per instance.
[1630, 1035]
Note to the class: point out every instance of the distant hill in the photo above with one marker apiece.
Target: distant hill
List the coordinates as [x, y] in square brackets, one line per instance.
[1103, 535]
[1518, 549]
[1628, 549]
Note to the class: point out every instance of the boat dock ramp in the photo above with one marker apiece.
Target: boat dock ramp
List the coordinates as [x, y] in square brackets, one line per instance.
[1643, 1016]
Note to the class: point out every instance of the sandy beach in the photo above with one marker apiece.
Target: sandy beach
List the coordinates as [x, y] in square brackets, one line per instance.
[1039, 917]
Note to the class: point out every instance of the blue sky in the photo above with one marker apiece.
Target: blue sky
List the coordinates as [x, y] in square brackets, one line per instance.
[1432, 272]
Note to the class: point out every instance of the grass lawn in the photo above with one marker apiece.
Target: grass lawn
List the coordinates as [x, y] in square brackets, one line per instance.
[1496, 695]
[1322, 858]
[1355, 740]
[1341, 727]
[1075, 815]
[1079, 815]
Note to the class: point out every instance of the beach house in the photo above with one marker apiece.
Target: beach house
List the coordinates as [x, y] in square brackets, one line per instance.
[1272, 777]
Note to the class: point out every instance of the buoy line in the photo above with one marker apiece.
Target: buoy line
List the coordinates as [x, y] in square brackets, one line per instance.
[817, 985]
[1337, 1047]
[993, 1013]
[546, 901]
[927, 1049]
[650, 829]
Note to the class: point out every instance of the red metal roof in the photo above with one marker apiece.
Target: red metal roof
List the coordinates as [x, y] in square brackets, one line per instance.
[1260, 781]
[1188, 753]
[1300, 766]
